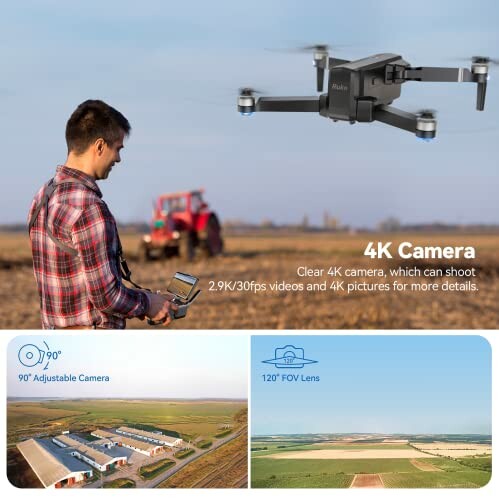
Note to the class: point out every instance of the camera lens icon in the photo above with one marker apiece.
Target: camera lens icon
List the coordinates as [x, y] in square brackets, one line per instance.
[30, 355]
[289, 356]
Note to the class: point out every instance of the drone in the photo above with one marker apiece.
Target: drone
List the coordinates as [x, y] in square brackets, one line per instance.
[363, 90]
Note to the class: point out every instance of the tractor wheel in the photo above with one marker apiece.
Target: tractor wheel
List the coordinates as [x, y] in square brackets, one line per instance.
[213, 243]
[186, 246]
[143, 253]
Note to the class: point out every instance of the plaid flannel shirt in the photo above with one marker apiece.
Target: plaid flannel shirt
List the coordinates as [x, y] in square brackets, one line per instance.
[87, 289]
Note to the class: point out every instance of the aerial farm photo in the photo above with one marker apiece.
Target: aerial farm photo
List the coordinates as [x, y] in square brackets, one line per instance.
[182, 429]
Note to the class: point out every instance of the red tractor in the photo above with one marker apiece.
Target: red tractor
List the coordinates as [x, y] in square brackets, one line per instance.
[181, 223]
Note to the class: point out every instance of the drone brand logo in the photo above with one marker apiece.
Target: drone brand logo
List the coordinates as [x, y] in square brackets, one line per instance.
[339, 86]
[289, 356]
[30, 355]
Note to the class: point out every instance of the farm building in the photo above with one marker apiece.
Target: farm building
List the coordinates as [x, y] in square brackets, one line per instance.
[95, 458]
[151, 436]
[52, 469]
[148, 449]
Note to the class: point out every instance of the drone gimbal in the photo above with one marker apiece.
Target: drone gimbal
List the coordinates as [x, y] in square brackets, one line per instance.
[362, 90]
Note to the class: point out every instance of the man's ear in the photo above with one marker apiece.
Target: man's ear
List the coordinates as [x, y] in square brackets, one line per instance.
[99, 146]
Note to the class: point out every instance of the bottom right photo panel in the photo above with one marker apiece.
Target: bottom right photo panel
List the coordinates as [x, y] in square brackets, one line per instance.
[371, 411]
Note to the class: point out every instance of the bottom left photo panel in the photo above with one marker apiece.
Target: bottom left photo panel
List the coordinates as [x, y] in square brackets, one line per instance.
[127, 411]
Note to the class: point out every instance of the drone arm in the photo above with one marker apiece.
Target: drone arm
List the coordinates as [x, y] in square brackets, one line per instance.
[290, 104]
[424, 127]
[398, 74]
[396, 118]
[433, 74]
[333, 61]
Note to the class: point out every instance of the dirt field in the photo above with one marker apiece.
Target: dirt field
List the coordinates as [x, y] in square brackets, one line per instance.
[367, 481]
[454, 450]
[348, 454]
[425, 466]
[19, 473]
[226, 467]
[275, 259]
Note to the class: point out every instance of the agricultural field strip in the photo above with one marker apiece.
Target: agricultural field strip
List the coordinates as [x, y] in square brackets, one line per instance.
[330, 454]
[367, 481]
[230, 462]
[454, 450]
[201, 453]
[425, 466]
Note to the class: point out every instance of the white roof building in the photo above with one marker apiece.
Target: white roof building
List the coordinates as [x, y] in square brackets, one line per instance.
[143, 447]
[53, 470]
[95, 458]
[150, 436]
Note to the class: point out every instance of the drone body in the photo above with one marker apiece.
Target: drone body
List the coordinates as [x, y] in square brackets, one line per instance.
[362, 91]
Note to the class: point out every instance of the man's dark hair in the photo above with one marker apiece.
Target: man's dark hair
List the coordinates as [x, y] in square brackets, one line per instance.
[91, 120]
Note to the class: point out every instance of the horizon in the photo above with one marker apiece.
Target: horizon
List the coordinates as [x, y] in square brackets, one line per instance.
[373, 434]
[186, 129]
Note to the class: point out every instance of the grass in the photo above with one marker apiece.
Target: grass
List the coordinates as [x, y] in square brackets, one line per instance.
[152, 470]
[120, 483]
[187, 418]
[395, 473]
[461, 479]
[223, 433]
[184, 453]
[307, 481]
[479, 463]
[203, 444]
[263, 467]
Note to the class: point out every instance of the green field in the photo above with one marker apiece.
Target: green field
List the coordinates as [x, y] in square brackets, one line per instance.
[205, 443]
[339, 473]
[152, 470]
[184, 453]
[190, 419]
[264, 467]
[224, 433]
[307, 481]
[480, 463]
[461, 479]
[120, 483]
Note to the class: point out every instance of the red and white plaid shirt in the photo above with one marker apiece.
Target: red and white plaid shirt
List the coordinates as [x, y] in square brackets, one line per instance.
[87, 289]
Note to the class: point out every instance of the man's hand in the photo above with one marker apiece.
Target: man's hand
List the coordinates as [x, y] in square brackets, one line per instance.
[161, 307]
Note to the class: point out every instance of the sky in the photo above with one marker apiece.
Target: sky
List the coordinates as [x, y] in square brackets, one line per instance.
[139, 366]
[374, 384]
[173, 68]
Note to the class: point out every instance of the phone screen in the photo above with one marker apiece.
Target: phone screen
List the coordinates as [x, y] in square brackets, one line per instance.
[182, 285]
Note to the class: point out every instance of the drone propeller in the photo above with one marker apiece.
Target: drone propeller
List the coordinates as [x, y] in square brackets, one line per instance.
[485, 60]
[426, 113]
[319, 47]
[321, 55]
[249, 91]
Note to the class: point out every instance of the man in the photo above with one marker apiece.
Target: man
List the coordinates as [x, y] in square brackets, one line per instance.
[74, 239]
